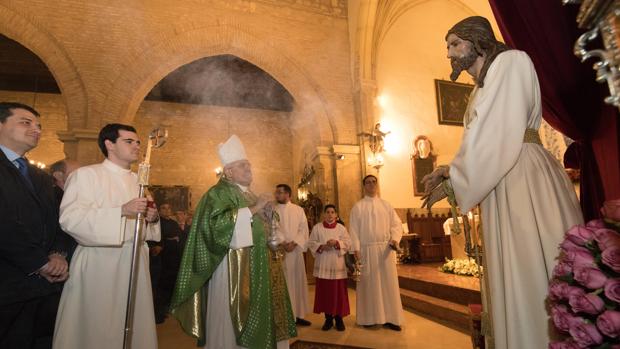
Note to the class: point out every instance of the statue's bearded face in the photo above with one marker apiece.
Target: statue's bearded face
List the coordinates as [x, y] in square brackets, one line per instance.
[461, 54]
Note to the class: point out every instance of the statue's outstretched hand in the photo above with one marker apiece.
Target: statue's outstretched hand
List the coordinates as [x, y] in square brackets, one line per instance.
[435, 195]
[433, 179]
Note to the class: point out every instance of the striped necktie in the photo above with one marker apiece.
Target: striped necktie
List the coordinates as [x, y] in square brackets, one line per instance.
[23, 169]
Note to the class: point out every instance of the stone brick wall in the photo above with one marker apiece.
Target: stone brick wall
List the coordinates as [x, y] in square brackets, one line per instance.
[53, 118]
[107, 55]
[120, 50]
[190, 155]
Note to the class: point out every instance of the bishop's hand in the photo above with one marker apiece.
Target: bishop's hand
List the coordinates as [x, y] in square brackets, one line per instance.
[262, 203]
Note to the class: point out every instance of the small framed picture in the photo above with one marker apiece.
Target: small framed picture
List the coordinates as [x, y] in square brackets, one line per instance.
[178, 196]
[452, 99]
[423, 162]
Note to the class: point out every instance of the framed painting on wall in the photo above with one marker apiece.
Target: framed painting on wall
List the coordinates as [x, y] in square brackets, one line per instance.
[178, 196]
[452, 99]
[423, 162]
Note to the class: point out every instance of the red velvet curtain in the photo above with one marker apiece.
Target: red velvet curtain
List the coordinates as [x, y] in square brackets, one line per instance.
[572, 100]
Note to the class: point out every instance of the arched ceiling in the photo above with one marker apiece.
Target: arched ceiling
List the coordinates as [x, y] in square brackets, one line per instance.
[22, 70]
[223, 80]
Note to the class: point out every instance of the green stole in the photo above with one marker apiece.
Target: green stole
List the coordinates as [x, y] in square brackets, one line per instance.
[259, 304]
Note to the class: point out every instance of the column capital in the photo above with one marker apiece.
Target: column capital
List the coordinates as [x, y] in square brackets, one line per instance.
[345, 149]
[81, 144]
[368, 83]
[78, 134]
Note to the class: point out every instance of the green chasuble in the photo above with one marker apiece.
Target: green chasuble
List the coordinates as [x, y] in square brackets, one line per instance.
[259, 304]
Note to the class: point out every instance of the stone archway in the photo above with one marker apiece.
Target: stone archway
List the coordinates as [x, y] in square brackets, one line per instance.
[31, 35]
[137, 79]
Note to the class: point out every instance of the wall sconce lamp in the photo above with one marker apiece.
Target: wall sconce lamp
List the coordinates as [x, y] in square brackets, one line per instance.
[219, 171]
[302, 194]
[375, 160]
[340, 156]
[38, 164]
[303, 188]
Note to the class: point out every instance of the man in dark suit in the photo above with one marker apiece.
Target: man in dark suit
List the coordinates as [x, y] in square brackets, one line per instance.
[170, 260]
[32, 259]
[60, 171]
[184, 220]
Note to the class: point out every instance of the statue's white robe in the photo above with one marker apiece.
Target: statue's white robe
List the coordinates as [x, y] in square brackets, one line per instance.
[93, 302]
[526, 199]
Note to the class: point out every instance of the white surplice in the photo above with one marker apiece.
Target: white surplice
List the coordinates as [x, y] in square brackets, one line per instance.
[373, 224]
[94, 298]
[526, 199]
[329, 264]
[294, 227]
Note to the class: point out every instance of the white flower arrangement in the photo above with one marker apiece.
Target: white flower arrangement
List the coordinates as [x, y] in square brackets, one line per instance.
[461, 266]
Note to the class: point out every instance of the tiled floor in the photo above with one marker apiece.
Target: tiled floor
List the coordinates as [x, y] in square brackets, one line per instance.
[418, 333]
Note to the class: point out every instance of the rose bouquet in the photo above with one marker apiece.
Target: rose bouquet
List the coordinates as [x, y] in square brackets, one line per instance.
[461, 266]
[584, 293]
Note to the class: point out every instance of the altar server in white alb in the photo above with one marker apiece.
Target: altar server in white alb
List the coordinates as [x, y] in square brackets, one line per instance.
[98, 209]
[375, 232]
[527, 201]
[329, 243]
[294, 228]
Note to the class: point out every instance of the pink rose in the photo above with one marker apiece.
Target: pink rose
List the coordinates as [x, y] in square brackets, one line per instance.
[562, 317]
[611, 258]
[611, 210]
[558, 291]
[588, 303]
[562, 290]
[595, 224]
[574, 291]
[590, 277]
[579, 235]
[606, 238]
[568, 245]
[609, 323]
[567, 344]
[579, 258]
[585, 334]
[561, 269]
[612, 289]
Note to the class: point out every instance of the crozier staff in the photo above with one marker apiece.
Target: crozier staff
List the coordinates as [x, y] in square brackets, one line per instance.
[99, 209]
